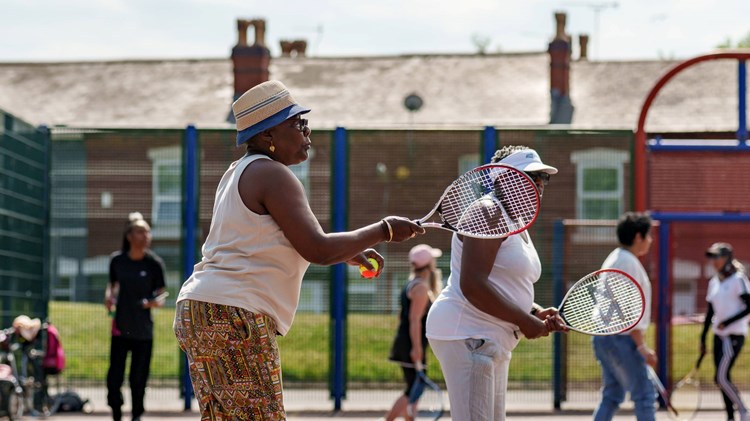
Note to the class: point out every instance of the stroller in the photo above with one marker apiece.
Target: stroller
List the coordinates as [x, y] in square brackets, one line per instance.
[11, 391]
[30, 351]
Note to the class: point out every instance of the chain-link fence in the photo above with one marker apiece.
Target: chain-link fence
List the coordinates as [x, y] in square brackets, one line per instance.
[99, 176]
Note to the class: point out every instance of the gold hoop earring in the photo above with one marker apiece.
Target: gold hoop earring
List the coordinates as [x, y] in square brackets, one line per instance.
[272, 148]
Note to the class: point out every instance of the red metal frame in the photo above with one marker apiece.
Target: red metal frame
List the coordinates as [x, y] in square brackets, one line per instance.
[639, 153]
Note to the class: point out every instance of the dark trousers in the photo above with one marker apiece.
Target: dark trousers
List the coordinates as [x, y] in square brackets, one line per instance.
[726, 351]
[140, 361]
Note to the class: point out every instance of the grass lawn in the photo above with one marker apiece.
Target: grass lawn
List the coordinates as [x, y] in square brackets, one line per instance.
[85, 328]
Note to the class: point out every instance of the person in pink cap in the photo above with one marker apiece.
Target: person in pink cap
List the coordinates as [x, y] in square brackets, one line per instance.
[487, 306]
[410, 344]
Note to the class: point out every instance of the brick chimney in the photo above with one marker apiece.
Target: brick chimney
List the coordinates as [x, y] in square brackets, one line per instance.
[293, 48]
[250, 61]
[561, 110]
[583, 44]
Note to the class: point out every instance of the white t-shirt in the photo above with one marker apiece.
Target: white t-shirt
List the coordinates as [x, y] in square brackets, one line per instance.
[724, 296]
[627, 262]
[247, 260]
[516, 269]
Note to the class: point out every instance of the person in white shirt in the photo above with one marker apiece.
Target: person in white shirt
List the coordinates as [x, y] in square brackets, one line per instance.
[487, 305]
[728, 314]
[623, 357]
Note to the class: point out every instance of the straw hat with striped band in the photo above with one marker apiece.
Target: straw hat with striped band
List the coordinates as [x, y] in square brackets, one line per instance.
[262, 107]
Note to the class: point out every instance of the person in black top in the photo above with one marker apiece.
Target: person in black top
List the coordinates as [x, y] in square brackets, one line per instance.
[136, 276]
[410, 343]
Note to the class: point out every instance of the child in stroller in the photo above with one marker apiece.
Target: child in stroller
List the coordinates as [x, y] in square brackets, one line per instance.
[23, 369]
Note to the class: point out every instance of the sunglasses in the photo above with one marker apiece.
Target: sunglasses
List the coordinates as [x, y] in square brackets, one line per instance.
[301, 125]
[538, 175]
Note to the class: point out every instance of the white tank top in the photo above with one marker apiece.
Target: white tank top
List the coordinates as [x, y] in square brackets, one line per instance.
[514, 273]
[247, 260]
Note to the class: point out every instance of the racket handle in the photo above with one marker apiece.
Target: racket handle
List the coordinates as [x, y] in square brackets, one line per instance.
[419, 366]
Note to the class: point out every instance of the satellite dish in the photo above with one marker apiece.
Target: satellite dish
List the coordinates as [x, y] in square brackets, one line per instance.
[413, 102]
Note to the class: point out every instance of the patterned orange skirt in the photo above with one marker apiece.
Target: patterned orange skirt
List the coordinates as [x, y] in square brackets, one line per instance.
[233, 360]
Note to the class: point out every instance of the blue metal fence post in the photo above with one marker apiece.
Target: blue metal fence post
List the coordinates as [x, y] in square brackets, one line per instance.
[558, 286]
[339, 199]
[489, 144]
[742, 102]
[189, 221]
[664, 304]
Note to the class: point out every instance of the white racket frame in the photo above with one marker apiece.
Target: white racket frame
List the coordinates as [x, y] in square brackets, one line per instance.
[423, 221]
[593, 274]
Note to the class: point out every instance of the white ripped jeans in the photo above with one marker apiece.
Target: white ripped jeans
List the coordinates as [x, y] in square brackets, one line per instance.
[476, 374]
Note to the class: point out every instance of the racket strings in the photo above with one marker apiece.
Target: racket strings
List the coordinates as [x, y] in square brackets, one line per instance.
[492, 201]
[603, 303]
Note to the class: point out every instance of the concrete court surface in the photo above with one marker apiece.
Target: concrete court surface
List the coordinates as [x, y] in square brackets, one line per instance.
[363, 405]
[354, 416]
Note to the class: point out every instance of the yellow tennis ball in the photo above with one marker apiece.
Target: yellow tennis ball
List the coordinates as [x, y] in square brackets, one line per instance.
[367, 273]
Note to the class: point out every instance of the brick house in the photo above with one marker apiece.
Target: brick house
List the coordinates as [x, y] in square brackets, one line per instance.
[579, 114]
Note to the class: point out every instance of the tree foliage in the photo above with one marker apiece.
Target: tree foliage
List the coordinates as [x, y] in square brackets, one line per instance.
[743, 42]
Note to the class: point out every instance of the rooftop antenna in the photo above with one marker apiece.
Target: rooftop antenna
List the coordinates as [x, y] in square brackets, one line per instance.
[596, 7]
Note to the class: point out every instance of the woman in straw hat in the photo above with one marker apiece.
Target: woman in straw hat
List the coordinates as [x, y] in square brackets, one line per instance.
[728, 298]
[263, 236]
[410, 344]
[487, 306]
[136, 275]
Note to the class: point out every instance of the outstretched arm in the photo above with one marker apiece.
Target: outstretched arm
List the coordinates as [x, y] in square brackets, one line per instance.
[285, 200]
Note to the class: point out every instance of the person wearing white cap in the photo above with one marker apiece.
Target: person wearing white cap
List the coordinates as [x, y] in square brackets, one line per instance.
[728, 313]
[410, 343]
[263, 236]
[487, 304]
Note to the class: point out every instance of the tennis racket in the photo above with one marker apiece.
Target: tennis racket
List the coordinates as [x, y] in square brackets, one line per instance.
[426, 400]
[662, 392]
[491, 201]
[162, 296]
[686, 394]
[605, 302]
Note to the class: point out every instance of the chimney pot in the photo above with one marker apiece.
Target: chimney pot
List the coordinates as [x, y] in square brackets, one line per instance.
[251, 62]
[583, 41]
[560, 18]
[561, 108]
[295, 48]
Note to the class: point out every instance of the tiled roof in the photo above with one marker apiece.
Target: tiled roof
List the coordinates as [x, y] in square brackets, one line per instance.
[361, 92]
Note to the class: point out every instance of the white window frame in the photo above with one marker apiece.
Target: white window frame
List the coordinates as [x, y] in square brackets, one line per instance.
[598, 158]
[165, 156]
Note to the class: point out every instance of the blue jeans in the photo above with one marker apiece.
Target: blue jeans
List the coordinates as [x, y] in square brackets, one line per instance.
[623, 370]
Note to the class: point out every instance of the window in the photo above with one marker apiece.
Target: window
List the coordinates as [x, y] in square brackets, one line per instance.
[599, 183]
[166, 205]
[600, 191]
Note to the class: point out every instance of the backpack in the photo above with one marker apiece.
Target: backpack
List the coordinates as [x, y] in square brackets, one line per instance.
[70, 401]
[54, 357]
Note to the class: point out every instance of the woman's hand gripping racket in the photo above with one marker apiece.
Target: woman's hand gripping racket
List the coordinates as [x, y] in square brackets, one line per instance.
[426, 400]
[491, 201]
[605, 302]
